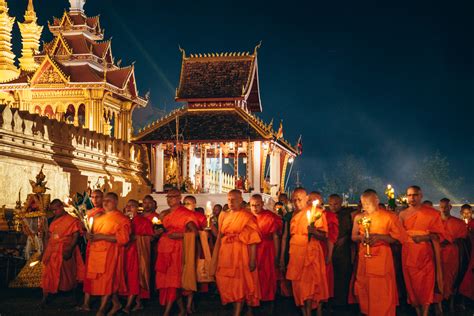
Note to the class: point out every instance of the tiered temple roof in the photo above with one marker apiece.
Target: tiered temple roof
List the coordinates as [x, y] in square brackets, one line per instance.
[222, 94]
[78, 56]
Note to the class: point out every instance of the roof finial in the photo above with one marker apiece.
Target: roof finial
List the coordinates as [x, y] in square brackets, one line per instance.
[77, 6]
[257, 47]
[182, 51]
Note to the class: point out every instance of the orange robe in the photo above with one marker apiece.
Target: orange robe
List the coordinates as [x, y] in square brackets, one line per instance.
[375, 285]
[105, 265]
[233, 277]
[455, 229]
[418, 261]
[169, 262]
[60, 274]
[137, 267]
[268, 224]
[87, 283]
[333, 233]
[307, 268]
[467, 285]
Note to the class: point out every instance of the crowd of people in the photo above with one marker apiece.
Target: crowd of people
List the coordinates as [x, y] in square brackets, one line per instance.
[323, 255]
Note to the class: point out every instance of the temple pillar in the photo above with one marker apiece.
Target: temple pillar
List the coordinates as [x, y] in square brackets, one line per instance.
[159, 168]
[204, 168]
[192, 165]
[87, 118]
[275, 171]
[256, 166]
[221, 176]
[184, 172]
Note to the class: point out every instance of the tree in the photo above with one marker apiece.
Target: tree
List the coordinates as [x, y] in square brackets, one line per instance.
[350, 175]
[436, 177]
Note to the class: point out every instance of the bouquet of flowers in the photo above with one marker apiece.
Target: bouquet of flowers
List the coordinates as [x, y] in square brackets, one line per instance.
[78, 207]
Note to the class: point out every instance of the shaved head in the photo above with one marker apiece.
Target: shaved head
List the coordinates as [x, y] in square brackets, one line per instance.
[256, 203]
[299, 199]
[234, 199]
[370, 200]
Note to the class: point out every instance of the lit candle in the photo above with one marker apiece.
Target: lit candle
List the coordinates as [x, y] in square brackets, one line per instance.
[34, 263]
[308, 216]
[91, 222]
[155, 221]
[209, 208]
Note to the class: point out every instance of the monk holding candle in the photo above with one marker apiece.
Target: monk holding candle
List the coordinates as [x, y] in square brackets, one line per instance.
[375, 285]
[268, 251]
[307, 268]
[420, 254]
[105, 265]
[235, 255]
[466, 287]
[177, 220]
[97, 198]
[62, 261]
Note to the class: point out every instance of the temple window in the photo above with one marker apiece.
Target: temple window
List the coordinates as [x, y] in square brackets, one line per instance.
[48, 111]
[70, 113]
[81, 115]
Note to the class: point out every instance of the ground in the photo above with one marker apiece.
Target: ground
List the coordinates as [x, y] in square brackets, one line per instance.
[26, 302]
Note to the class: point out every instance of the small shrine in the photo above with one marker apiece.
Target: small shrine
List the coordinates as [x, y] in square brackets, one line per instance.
[216, 142]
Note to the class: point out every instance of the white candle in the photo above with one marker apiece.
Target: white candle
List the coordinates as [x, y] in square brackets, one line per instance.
[208, 208]
[308, 216]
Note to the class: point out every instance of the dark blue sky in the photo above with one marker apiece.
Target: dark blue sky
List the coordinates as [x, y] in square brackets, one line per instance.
[389, 83]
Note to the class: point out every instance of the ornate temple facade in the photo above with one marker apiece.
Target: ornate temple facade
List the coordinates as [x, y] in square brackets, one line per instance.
[79, 97]
[216, 142]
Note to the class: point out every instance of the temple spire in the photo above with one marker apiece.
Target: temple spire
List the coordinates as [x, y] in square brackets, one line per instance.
[77, 6]
[8, 70]
[30, 34]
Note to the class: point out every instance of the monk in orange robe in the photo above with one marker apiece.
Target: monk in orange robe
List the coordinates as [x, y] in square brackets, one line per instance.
[97, 197]
[169, 263]
[268, 251]
[328, 243]
[105, 265]
[419, 254]
[466, 287]
[307, 267]
[456, 229]
[136, 252]
[375, 284]
[235, 256]
[190, 203]
[62, 261]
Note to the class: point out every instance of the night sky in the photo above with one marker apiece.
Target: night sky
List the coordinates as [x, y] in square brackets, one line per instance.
[387, 83]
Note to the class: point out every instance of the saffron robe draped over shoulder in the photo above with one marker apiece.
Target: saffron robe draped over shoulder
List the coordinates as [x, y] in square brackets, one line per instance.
[467, 285]
[307, 267]
[268, 224]
[60, 274]
[137, 258]
[418, 259]
[105, 266]
[333, 232]
[234, 280]
[455, 229]
[169, 262]
[96, 211]
[375, 284]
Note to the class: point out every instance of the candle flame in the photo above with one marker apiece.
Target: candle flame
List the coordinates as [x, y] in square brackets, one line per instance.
[308, 216]
[155, 220]
[34, 263]
[208, 208]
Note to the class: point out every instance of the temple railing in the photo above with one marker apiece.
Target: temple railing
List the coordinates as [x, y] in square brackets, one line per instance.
[220, 182]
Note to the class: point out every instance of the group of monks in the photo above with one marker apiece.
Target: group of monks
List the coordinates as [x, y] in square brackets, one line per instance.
[259, 253]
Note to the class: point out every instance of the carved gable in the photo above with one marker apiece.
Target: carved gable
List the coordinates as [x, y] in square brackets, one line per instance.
[49, 73]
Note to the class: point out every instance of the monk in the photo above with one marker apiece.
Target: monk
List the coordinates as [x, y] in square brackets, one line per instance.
[268, 251]
[419, 254]
[149, 207]
[307, 267]
[105, 265]
[169, 266]
[457, 231]
[341, 258]
[97, 197]
[328, 243]
[62, 261]
[137, 258]
[286, 215]
[235, 255]
[190, 203]
[467, 284]
[375, 285]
